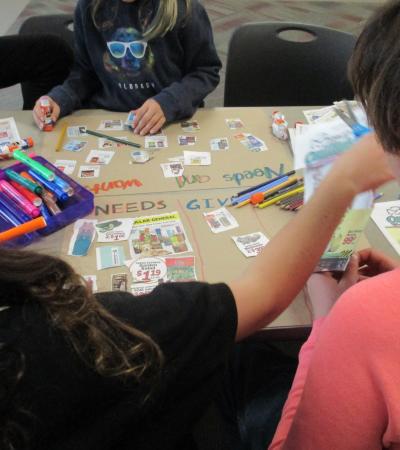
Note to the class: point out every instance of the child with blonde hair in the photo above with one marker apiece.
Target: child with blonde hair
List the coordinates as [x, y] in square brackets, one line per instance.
[155, 57]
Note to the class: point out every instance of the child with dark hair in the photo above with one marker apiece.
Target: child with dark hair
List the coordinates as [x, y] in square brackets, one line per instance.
[346, 393]
[156, 57]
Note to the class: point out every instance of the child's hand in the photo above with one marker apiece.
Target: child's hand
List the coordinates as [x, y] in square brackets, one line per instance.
[149, 118]
[323, 289]
[374, 262]
[365, 166]
[38, 113]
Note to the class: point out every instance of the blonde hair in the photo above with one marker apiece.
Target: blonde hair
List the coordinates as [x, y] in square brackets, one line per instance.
[164, 20]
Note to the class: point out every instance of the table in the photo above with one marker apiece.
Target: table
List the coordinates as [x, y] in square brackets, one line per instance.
[204, 188]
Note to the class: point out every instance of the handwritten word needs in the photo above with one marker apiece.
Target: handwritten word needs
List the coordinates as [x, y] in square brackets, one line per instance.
[115, 184]
[129, 207]
[191, 179]
[265, 172]
[206, 203]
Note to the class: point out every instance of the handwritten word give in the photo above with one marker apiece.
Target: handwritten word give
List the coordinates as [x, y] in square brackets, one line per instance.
[115, 184]
[206, 203]
[265, 172]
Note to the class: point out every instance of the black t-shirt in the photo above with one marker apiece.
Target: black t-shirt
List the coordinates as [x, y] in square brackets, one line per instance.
[74, 408]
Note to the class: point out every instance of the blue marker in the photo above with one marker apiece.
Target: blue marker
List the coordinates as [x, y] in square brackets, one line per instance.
[50, 185]
[64, 186]
[45, 213]
[9, 218]
[11, 209]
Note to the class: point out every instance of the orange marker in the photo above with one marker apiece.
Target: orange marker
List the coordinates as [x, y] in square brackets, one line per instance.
[45, 191]
[27, 227]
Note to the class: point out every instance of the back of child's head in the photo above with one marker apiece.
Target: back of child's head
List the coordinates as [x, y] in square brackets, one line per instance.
[374, 72]
[164, 19]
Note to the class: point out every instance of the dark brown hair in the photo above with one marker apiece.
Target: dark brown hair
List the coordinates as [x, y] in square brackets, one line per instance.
[107, 344]
[374, 71]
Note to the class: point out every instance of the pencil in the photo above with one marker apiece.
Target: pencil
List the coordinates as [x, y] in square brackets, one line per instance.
[61, 138]
[246, 191]
[273, 190]
[280, 197]
[112, 138]
[297, 184]
[287, 201]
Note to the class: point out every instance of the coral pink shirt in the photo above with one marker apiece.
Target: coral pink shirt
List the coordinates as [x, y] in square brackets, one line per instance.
[346, 392]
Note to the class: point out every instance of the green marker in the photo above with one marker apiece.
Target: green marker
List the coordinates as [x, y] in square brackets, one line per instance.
[28, 184]
[34, 165]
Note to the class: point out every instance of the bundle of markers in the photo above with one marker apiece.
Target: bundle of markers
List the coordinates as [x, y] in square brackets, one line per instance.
[285, 190]
[30, 197]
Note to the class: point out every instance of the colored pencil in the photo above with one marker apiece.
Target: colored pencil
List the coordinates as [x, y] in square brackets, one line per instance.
[246, 191]
[287, 201]
[112, 138]
[280, 197]
[295, 185]
[242, 198]
[273, 190]
[61, 138]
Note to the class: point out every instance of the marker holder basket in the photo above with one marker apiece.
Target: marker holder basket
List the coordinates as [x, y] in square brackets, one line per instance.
[79, 205]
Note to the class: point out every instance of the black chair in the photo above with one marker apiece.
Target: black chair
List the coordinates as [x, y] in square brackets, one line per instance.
[58, 24]
[267, 67]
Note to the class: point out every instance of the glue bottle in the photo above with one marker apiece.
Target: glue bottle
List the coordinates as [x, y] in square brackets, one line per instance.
[279, 126]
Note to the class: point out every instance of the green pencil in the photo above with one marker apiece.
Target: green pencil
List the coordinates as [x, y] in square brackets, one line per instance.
[112, 138]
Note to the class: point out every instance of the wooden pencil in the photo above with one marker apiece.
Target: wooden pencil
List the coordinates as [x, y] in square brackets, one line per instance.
[61, 138]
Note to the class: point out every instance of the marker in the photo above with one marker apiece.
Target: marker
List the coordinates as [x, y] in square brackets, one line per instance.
[287, 174]
[280, 197]
[34, 199]
[112, 138]
[45, 191]
[52, 187]
[51, 205]
[27, 184]
[64, 186]
[34, 165]
[18, 198]
[28, 227]
[45, 213]
[9, 218]
[9, 207]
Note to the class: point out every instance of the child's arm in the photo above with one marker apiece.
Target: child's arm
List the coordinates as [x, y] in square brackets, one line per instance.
[201, 68]
[276, 276]
[83, 80]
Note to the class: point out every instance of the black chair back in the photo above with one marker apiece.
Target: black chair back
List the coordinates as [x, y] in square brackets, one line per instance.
[59, 24]
[266, 69]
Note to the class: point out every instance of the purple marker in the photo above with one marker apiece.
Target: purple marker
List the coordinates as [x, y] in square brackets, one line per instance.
[19, 199]
[10, 208]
